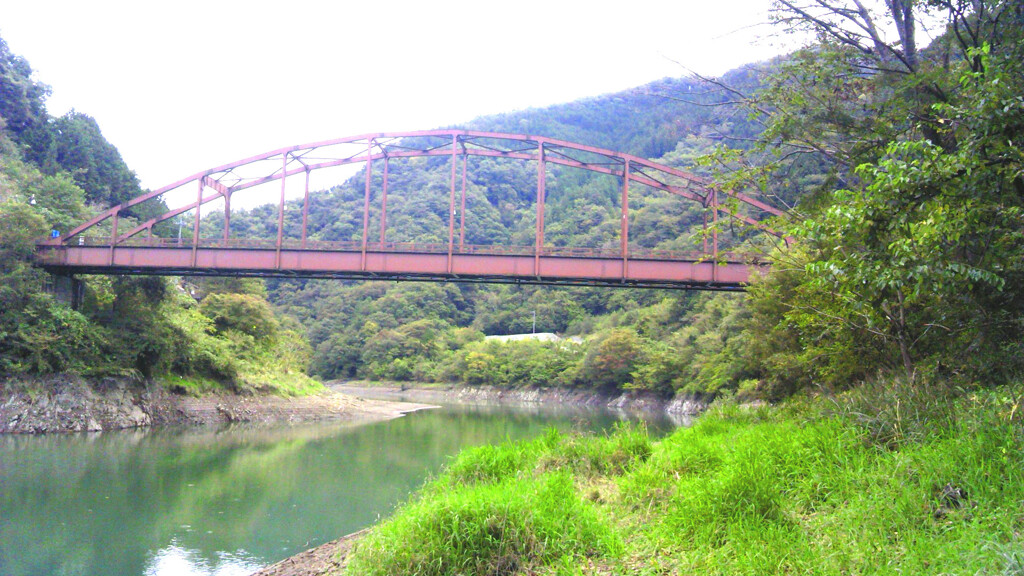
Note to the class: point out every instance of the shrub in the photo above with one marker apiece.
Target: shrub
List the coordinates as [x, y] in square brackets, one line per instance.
[611, 359]
[240, 312]
[510, 527]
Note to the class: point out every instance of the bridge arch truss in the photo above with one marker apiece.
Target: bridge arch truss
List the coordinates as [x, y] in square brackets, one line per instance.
[137, 251]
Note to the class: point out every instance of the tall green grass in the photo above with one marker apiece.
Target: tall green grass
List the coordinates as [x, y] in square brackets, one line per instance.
[845, 486]
[516, 525]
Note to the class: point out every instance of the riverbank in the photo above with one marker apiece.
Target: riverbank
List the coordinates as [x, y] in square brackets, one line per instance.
[820, 487]
[630, 401]
[332, 557]
[67, 403]
[326, 559]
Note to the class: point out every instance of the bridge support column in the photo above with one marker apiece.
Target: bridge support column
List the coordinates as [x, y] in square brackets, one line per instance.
[625, 221]
[195, 225]
[366, 203]
[714, 235]
[113, 233]
[66, 288]
[462, 213]
[541, 182]
[305, 210]
[227, 218]
[451, 203]
[280, 212]
[384, 204]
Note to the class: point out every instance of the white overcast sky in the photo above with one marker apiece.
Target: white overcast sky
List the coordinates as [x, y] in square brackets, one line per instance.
[186, 85]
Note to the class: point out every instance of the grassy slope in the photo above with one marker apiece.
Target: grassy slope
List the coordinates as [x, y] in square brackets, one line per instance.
[921, 487]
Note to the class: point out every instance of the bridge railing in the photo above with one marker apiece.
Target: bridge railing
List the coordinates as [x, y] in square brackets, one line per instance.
[634, 253]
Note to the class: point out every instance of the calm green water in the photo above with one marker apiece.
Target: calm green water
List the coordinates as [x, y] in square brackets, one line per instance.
[226, 502]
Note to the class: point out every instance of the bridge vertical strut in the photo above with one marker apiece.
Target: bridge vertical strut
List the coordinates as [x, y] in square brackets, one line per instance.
[714, 233]
[366, 203]
[305, 210]
[462, 213]
[195, 225]
[541, 179]
[227, 216]
[280, 211]
[113, 234]
[625, 220]
[451, 202]
[384, 202]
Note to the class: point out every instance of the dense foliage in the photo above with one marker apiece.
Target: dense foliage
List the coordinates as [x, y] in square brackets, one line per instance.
[903, 167]
[377, 331]
[55, 173]
[898, 160]
[910, 248]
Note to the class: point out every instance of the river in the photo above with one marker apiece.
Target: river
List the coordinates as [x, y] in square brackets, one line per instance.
[226, 502]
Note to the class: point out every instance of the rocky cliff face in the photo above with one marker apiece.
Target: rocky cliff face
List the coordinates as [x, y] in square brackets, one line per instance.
[70, 404]
[66, 403]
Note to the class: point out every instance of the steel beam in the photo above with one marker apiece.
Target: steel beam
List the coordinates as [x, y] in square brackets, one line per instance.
[227, 217]
[462, 210]
[714, 230]
[113, 236]
[398, 264]
[451, 204]
[195, 225]
[305, 211]
[541, 194]
[227, 171]
[624, 234]
[280, 209]
[366, 200]
[384, 203]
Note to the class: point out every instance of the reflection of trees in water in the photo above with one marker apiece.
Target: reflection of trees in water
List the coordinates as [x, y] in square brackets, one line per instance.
[589, 418]
[109, 500]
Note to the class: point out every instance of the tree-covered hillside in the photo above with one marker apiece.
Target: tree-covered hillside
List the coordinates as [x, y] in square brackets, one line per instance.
[899, 156]
[909, 251]
[57, 172]
[901, 165]
[431, 332]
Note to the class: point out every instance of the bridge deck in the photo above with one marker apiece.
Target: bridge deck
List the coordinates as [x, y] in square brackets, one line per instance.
[571, 266]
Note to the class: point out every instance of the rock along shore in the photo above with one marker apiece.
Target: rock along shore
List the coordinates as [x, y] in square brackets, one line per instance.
[66, 403]
[629, 401]
[323, 560]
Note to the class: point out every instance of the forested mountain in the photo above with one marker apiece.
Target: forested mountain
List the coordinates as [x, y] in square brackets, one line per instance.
[58, 171]
[895, 270]
[901, 162]
[426, 332]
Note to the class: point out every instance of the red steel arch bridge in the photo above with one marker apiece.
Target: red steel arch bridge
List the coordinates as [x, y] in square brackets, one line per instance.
[123, 249]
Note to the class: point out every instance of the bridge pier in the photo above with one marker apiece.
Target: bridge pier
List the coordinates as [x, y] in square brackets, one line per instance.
[66, 288]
